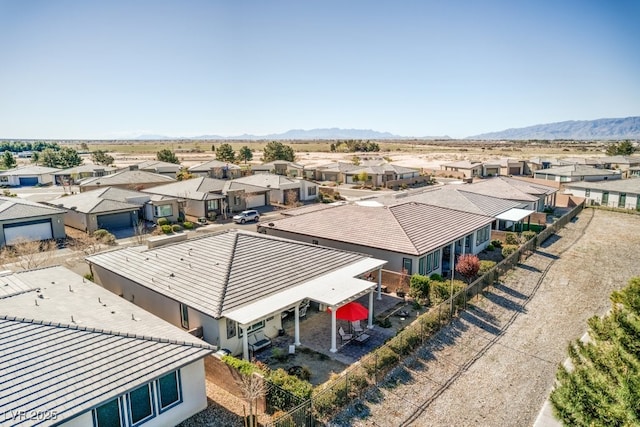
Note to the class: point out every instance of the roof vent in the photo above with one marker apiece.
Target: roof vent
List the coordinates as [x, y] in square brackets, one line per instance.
[70, 290]
[134, 318]
[172, 275]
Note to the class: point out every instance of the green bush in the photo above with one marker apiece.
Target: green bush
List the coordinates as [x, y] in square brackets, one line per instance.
[104, 236]
[166, 229]
[291, 383]
[163, 221]
[384, 322]
[511, 239]
[405, 341]
[436, 277]
[528, 235]
[243, 366]
[99, 234]
[188, 225]
[508, 250]
[176, 228]
[490, 247]
[485, 266]
[88, 276]
[440, 291]
[496, 243]
[419, 288]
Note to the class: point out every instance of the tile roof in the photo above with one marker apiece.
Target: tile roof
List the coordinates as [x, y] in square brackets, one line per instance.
[268, 180]
[408, 228]
[202, 188]
[268, 165]
[631, 185]
[499, 188]
[29, 170]
[107, 199]
[14, 207]
[576, 170]
[50, 362]
[85, 168]
[127, 177]
[529, 187]
[463, 164]
[158, 165]
[222, 272]
[212, 164]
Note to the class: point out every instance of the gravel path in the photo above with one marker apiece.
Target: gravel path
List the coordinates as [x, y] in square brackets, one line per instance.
[496, 363]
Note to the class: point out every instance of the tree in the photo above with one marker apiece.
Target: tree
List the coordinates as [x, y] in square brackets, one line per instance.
[84, 146]
[362, 177]
[602, 386]
[622, 148]
[100, 157]
[67, 158]
[168, 156]
[245, 154]
[276, 150]
[468, 266]
[225, 153]
[35, 157]
[419, 288]
[8, 161]
[49, 158]
[184, 175]
[26, 254]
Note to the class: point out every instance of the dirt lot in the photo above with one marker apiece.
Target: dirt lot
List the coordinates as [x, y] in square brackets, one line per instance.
[495, 365]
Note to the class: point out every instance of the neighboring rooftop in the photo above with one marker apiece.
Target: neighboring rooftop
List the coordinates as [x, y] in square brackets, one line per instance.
[212, 164]
[267, 180]
[631, 185]
[577, 170]
[100, 200]
[157, 165]
[202, 188]
[29, 170]
[125, 177]
[88, 168]
[14, 208]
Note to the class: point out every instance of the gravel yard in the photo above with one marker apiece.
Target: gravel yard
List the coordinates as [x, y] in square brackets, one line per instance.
[496, 363]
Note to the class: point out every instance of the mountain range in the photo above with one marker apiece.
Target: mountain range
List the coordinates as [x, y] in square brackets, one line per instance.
[600, 129]
[620, 128]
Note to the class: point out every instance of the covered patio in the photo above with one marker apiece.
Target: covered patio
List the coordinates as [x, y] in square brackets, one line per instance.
[514, 217]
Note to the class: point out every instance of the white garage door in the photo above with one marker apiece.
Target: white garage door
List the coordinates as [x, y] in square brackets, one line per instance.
[255, 201]
[31, 231]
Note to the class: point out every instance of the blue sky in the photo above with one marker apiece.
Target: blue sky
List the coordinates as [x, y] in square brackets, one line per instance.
[109, 69]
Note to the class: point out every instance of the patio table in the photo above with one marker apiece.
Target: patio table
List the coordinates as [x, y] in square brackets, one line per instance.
[362, 338]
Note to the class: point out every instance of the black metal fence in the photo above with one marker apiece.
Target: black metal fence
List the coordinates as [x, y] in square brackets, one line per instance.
[332, 397]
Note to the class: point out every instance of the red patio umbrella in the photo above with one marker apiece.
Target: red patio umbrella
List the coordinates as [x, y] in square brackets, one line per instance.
[352, 311]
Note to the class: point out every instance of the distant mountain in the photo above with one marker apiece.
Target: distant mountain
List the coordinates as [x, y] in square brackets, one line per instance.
[622, 128]
[301, 134]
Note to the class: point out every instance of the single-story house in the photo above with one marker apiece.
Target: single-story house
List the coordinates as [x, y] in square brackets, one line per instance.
[623, 193]
[502, 166]
[281, 167]
[22, 219]
[209, 197]
[161, 168]
[216, 169]
[234, 285]
[634, 171]
[538, 163]
[113, 208]
[130, 179]
[468, 168]
[532, 195]
[74, 354]
[380, 174]
[334, 171]
[621, 163]
[576, 172]
[283, 190]
[414, 237]
[75, 174]
[27, 176]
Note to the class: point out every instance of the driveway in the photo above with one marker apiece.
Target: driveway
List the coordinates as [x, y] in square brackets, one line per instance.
[495, 365]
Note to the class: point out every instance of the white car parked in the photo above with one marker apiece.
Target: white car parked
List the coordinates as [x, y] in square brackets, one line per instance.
[246, 216]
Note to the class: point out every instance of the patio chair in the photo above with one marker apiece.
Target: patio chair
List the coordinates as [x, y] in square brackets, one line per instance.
[344, 336]
[355, 325]
[258, 341]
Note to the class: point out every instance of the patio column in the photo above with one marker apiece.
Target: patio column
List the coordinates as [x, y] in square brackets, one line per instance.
[453, 271]
[334, 347]
[370, 320]
[464, 245]
[379, 283]
[296, 334]
[245, 343]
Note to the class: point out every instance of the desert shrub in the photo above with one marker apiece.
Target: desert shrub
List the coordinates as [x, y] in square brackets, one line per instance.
[99, 234]
[440, 291]
[508, 250]
[291, 383]
[419, 288]
[384, 322]
[490, 247]
[88, 276]
[511, 239]
[436, 277]
[496, 243]
[486, 266]
[104, 236]
[166, 229]
[241, 365]
[163, 221]
[188, 225]
[403, 343]
[176, 228]
[528, 235]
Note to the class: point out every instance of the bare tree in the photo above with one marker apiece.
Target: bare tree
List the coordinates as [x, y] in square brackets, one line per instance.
[27, 255]
[253, 387]
[87, 243]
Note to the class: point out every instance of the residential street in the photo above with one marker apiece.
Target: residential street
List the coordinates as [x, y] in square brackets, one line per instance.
[495, 365]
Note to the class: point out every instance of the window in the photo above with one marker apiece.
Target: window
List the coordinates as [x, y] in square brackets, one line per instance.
[236, 200]
[436, 259]
[605, 198]
[407, 264]
[421, 266]
[483, 235]
[587, 192]
[169, 391]
[253, 328]
[163, 210]
[311, 191]
[140, 405]
[429, 257]
[622, 200]
[212, 205]
[107, 415]
[184, 316]
[231, 328]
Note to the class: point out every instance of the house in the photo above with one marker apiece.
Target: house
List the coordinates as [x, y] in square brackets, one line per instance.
[468, 169]
[576, 172]
[414, 237]
[379, 175]
[74, 175]
[130, 179]
[538, 163]
[22, 219]
[634, 171]
[622, 163]
[113, 208]
[27, 176]
[74, 354]
[283, 190]
[334, 171]
[235, 284]
[161, 168]
[623, 193]
[531, 195]
[281, 167]
[216, 169]
[209, 197]
[503, 166]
